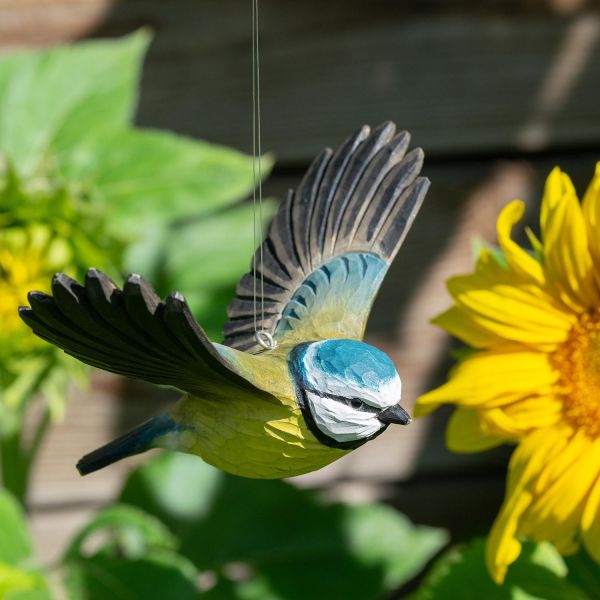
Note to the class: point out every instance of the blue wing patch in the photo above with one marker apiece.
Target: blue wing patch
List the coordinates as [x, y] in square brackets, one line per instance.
[335, 300]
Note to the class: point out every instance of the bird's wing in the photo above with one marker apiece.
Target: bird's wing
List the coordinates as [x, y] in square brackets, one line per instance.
[131, 332]
[331, 242]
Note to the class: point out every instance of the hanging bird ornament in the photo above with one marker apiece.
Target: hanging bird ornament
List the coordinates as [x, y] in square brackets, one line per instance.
[320, 392]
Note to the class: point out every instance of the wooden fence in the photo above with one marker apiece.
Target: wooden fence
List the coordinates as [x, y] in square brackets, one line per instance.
[497, 93]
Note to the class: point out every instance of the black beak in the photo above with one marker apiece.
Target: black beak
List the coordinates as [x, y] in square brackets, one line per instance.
[394, 414]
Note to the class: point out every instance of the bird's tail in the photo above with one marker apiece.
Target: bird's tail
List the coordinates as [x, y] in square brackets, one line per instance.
[139, 440]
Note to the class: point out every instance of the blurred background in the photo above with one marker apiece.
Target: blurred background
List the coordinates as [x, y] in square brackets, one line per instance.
[497, 93]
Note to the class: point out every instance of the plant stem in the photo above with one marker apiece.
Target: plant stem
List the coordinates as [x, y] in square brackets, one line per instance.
[15, 472]
[17, 461]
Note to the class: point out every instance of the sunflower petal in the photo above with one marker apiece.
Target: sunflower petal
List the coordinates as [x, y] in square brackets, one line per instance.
[524, 415]
[591, 214]
[465, 433]
[558, 185]
[590, 522]
[557, 511]
[567, 259]
[510, 310]
[520, 262]
[492, 378]
[503, 546]
[460, 324]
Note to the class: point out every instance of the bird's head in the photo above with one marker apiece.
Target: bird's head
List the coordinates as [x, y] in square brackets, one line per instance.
[348, 391]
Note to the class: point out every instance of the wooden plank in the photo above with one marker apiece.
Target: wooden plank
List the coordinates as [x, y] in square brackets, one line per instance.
[462, 81]
[463, 85]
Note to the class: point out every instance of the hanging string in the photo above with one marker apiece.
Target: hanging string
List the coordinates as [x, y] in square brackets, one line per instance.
[264, 338]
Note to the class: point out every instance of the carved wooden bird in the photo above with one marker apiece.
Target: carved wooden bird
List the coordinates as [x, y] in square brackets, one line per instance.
[321, 392]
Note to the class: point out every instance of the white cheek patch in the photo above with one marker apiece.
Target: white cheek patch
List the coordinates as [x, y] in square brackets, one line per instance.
[390, 393]
[340, 421]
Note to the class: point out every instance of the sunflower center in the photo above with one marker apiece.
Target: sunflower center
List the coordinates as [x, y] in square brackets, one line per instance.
[578, 362]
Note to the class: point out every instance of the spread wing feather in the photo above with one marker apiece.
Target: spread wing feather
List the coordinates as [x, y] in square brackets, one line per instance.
[130, 332]
[357, 203]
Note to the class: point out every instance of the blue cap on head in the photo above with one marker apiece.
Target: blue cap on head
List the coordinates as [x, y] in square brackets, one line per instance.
[356, 361]
[347, 360]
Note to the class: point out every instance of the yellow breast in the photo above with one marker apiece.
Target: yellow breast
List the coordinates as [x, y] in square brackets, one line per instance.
[254, 436]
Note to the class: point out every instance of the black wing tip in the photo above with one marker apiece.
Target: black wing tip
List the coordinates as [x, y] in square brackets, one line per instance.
[26, 313]
[62, 279]
[386, 127]
[134, 278]
[100, 282]
[93, 273]
[419, 153]
[176, 301]
[363, 131]
[423, 184]
[177, 297]
[134, 283]
[35, 296]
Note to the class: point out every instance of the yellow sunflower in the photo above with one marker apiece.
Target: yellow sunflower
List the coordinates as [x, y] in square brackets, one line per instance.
[28, 258]
[533, 320]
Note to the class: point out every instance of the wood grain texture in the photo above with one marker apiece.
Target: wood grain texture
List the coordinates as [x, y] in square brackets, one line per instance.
[462, 80]
[460, 85]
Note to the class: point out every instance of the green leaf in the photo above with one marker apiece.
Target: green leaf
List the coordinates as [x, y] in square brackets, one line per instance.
[584, 572]
[18, 581]
[125, 553]
[37, 588]
[380, 536]
[133, 530]
[50, 100]
[224, 244]
[150, 176]
[30, 373]
[289, 542]
[538, 574]
[205, 259]
[479, 245]
[173, 486]
[161, 575]
[255, 589]
[15, 543]
[537, 247]
[13, 581]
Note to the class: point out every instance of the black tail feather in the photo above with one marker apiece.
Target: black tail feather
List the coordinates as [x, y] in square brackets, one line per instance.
[139, 440]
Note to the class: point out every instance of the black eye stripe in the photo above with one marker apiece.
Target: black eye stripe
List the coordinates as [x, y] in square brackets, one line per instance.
[355, 403]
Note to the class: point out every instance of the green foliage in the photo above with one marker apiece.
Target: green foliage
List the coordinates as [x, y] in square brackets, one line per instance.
[80, 186]
[51, 100]
[149, 176]
[177, 203]
[19, 580]
[479, 246]
[125, 553]
[267, 539]
[15, 544]
[540, 573]
[584, 572]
